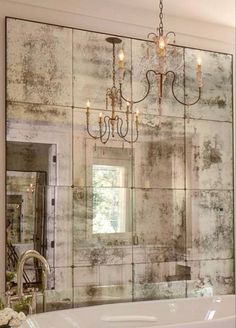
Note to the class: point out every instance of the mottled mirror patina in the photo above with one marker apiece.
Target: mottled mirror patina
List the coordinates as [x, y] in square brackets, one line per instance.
[117, 222]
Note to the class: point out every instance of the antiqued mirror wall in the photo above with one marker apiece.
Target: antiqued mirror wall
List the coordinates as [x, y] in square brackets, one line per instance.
[120, 221]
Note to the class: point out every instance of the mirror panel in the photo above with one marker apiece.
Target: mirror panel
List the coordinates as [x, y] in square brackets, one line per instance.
[39, 63]
[210, 162]
[159, 160]
[216, 102]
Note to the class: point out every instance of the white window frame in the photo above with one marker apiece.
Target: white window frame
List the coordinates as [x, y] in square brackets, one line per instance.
[126, 236]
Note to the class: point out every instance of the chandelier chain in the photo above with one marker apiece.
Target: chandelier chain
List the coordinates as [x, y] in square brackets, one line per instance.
[161, 18]
[114, 66]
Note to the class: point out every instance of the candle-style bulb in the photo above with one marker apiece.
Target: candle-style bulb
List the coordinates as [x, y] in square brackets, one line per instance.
[87, 107]
[121, 63]
[199, 61]
[199, 72]
[121, 55]
[100, 118]
[162, 43]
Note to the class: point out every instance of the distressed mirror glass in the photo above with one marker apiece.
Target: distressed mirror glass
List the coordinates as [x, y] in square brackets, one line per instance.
[116, 221]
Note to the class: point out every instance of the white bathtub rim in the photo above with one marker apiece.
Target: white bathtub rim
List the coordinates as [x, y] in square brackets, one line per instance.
[172, 325]
[198, 322]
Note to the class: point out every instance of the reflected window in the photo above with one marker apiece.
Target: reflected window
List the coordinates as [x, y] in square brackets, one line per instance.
[109, 199]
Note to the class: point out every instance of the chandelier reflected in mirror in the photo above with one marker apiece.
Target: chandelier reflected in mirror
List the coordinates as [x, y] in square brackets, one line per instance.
[118, 123]
[161, 42]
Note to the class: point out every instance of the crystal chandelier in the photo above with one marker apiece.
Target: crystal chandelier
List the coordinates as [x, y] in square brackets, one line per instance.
[161, 42]
[114, 124]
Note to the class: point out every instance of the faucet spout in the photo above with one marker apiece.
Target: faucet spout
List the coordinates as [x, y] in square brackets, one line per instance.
[20, 269]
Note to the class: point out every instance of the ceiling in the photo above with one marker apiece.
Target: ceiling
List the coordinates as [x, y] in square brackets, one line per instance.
[220, 12]
[212, 11]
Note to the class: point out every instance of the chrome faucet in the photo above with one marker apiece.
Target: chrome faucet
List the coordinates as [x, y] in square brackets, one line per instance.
[45, 270]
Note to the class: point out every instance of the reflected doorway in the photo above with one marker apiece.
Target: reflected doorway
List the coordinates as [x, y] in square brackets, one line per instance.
[30, 169]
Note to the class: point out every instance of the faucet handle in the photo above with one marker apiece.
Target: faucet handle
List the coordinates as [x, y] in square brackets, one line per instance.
[33, 304]
[31, 298]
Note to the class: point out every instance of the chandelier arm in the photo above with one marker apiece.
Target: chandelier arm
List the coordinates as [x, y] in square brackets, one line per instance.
[107, 130]
[119, 130]
[133, 141]
[92, 136]
[130, 141]
[173, 33]
[88, 130]
[127, 128]
[137, 135]
[173, 92]
[147, 93]
[152, 34]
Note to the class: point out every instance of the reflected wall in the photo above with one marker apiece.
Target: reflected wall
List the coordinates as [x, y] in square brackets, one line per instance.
[119, 222]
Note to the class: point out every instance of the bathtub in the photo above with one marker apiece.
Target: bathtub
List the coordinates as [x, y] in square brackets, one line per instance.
[214, 312]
